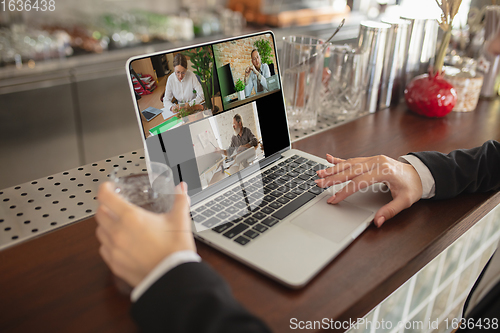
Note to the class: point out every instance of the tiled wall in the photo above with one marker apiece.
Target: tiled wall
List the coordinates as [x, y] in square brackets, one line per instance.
[432, 300]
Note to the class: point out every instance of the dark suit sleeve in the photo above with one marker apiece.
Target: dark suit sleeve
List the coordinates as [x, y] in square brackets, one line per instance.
[486, 312]
[192, 297]
[464, 170]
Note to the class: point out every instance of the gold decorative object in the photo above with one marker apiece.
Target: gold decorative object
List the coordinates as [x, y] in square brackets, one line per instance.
[449, 10]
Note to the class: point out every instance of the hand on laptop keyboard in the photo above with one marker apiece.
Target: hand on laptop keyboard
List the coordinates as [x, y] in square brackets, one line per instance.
[401, 178]
[262, 201]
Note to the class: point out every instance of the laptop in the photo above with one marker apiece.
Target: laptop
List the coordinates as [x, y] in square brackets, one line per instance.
[262, 207]
[151, 112]
[272, 82]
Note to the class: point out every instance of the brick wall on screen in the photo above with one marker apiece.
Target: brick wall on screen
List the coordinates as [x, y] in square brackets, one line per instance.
[237, 53]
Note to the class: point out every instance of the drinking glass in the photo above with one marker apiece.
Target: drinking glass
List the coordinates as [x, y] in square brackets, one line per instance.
[302, 67]
[153, 190]
[345, 88]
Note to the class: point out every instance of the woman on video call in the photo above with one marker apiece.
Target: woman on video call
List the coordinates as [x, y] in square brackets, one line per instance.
[184, 86]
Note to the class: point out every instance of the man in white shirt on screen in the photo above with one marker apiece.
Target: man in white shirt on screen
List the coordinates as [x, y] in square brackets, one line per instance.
[256, 75]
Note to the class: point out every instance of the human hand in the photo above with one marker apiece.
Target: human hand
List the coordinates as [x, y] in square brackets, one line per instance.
[248, 70]
[134, 240]
[401, 178]
[254, 69]
[175, 108]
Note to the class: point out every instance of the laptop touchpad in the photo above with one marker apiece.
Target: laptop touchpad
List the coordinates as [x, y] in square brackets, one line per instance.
[333, 222]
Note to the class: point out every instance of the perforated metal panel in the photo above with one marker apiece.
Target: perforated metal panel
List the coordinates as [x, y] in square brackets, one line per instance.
[324, 123]
[31, 209]
[48, 203]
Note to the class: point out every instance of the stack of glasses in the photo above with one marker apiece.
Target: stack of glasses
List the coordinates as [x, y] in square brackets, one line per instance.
[344, 81]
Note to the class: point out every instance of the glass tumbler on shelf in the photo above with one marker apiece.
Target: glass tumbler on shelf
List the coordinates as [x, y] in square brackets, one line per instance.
[345, 88]
[302, 67]
[153, 190]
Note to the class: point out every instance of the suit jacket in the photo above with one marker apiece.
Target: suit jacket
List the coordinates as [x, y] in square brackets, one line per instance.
[469, 170]
[464, 170]
[193, 298]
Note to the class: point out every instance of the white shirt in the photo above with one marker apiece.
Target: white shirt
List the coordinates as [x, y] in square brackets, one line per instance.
[253, 79]
[168, 263]
[428, 184]
[183, 90]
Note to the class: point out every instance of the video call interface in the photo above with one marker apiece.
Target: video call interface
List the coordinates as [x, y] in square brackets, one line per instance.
[210, 112]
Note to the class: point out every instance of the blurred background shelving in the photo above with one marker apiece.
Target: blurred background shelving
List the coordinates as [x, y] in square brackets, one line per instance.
[64, 97]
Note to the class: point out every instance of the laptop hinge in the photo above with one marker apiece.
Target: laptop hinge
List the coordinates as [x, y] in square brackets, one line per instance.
[271, 159]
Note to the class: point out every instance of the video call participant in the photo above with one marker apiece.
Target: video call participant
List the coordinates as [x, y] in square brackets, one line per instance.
[256, 75]
[242, 139]
[184, 86]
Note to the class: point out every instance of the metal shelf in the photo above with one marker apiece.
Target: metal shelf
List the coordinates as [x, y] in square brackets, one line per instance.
[33, 208]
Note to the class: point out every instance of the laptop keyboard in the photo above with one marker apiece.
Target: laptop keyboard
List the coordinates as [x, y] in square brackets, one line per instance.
[247, 211]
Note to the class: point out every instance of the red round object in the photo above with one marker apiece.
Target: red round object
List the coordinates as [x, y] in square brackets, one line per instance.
[430, 95]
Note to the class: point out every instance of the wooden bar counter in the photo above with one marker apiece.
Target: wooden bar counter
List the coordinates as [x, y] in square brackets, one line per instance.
[58, 282]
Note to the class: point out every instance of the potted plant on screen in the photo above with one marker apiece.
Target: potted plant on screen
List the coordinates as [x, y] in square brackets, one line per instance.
[184, 111]
[203, 66]
[240, 89]
[265, 50]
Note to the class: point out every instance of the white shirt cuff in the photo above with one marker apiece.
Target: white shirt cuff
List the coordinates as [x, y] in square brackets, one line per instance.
[161, 269]
[428, 183]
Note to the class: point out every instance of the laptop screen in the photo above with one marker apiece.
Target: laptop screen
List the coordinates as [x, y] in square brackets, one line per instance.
[221, 108]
